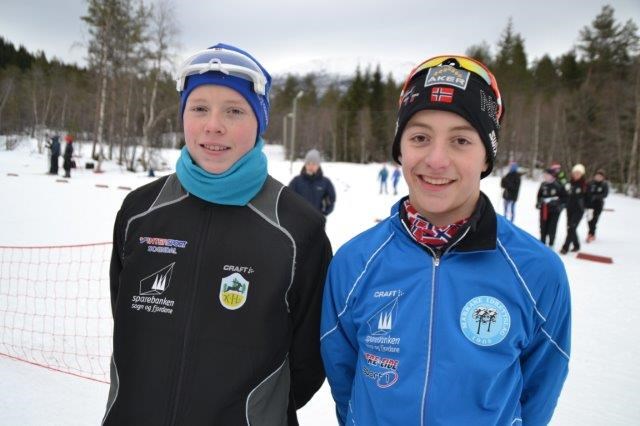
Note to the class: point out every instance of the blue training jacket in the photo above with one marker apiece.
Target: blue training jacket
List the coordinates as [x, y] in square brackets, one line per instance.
[476, 335]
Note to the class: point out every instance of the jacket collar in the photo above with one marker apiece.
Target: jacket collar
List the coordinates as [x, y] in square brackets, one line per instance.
[481, 229]
[316, 176]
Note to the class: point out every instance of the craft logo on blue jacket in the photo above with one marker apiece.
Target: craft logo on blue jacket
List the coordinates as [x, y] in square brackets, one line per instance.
[485, 320]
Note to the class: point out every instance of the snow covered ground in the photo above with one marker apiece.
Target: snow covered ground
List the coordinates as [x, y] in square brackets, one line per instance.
[603, 387]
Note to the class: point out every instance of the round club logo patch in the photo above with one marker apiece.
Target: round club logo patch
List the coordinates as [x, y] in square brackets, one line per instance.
[485, 320]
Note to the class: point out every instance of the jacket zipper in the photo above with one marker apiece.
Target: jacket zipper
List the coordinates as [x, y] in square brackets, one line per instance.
[190, 309]
[436, 262]
[436, 257]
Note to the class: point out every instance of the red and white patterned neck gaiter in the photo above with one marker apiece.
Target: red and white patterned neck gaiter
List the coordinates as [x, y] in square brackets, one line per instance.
[426, 233]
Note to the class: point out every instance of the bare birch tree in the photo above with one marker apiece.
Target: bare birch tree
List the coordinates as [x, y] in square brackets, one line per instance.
[162, 38]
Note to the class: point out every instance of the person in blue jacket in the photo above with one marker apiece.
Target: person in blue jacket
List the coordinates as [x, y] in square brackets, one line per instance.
[54, 145]
[313, 186]
[395, 178]
[445, 313]
[383, 174]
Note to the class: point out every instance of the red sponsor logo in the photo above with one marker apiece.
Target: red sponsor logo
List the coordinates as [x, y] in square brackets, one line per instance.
[388, 363]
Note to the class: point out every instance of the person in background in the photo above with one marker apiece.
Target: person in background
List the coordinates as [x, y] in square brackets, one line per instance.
[575, 208]
[217, 270]
[313, 186]
[395, 178]
[67, 163]
[54, 145]
[445, 312]
[383, 174]
[559, 174]
[510, 184]
[551, 199]
[597, 191]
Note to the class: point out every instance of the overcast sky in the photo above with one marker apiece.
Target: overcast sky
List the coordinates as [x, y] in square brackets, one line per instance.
[299, 35]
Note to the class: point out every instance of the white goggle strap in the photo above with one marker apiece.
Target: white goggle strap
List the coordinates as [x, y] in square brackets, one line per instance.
[258, 80]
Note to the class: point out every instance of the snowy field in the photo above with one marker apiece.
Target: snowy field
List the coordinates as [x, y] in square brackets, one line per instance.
[603, 387]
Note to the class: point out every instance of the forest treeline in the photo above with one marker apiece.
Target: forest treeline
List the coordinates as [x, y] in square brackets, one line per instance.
[583, 106]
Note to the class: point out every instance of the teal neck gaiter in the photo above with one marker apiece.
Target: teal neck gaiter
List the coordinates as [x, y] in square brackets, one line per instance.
[235, 187]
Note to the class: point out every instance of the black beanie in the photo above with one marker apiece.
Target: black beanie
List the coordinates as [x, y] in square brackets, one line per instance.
[453, 89]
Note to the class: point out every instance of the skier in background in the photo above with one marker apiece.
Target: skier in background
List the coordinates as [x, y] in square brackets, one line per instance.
[67, 163]
[54, 145]
[313, 186]
[559, 174]
[575, 208]
[395, 178]
[597, 191]
[511, 187]
[551, 199]
[383, 174]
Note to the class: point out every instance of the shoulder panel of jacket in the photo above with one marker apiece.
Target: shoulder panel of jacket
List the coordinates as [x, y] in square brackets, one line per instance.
[147, 198]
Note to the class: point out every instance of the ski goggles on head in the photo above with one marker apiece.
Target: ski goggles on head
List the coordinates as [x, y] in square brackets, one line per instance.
[226, 61]
[461, 62]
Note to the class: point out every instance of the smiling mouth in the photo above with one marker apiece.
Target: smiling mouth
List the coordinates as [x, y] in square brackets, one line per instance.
[215, 148]
[436, 181]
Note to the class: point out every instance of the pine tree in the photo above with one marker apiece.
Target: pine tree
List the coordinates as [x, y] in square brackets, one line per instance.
[379, 123]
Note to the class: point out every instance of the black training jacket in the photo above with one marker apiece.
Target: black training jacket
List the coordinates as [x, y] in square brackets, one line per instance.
[596, 193]
[216, 308]
[576, 191]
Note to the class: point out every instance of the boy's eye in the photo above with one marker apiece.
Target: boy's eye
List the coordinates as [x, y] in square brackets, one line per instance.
[462, 141]
[236, 111]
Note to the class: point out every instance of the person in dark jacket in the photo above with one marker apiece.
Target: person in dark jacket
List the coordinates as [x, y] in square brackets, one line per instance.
[54, 146]
[558, 173]
[597, 191]
[217, 270]
[510, 184]
[67, 156]
[445, 313]
[550, 201]
[313, 186]
[575, 208]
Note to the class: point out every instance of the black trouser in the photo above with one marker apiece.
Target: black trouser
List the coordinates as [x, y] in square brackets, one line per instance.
[548, 223]
[66, 165]
[597, 209]
[54, 165]
[573, 220]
